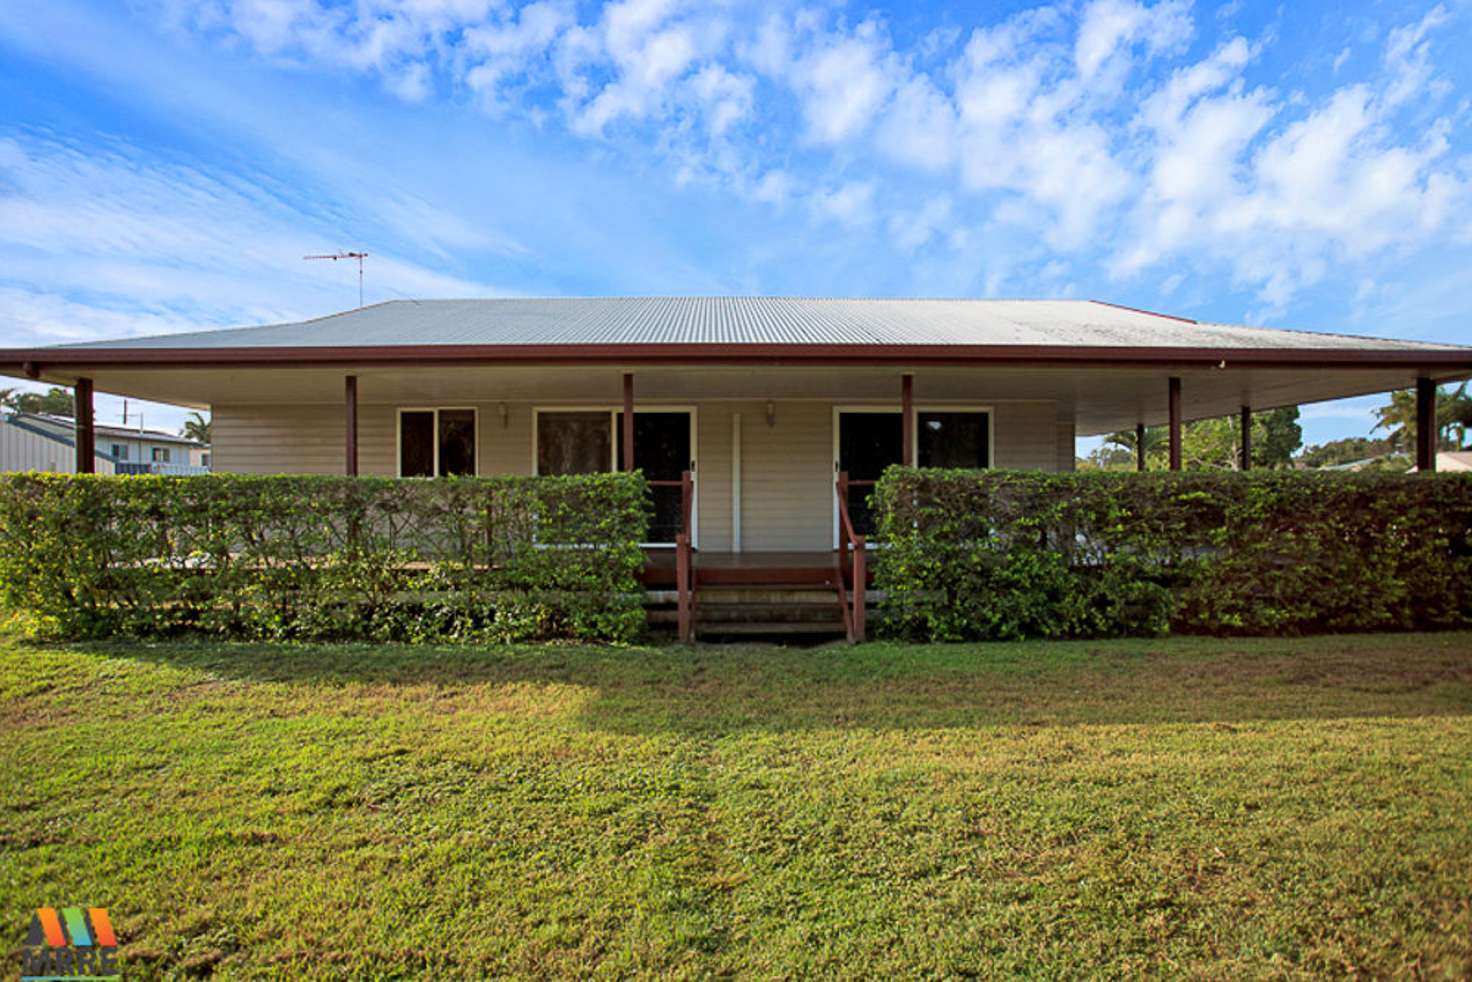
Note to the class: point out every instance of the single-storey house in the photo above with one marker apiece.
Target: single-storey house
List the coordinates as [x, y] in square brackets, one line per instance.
[27, 446]
[131, 449]
[764, 401]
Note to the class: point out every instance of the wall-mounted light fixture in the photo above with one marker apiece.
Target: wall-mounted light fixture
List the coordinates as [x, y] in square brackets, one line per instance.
[505, 414]
[771, 414]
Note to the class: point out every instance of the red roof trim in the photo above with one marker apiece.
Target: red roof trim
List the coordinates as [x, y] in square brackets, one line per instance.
[730, 354]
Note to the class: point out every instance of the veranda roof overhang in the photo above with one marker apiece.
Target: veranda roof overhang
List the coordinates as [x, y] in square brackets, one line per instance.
[1105, 366]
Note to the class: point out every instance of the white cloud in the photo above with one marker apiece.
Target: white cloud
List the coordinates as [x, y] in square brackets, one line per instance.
[842, 83]
[1408, 57]
[515, 47]
[109, 242]
[913, 229]
[919, 128]
[852, 203]
[1280, 191]
[1078, 129]
[1108, 25]
[727, 97]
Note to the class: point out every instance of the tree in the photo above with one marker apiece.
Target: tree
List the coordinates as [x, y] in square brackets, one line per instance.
[197, 428]
[1276, 437]
[1211, 445]
[1453, 418]
[55, 401]
[1108, 458]
[1346, 451]
[1155, 440]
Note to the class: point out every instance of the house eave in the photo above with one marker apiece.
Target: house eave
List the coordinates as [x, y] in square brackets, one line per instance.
[41, 362]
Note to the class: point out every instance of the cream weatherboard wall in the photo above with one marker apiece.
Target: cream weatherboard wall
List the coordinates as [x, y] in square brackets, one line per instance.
[786, 494]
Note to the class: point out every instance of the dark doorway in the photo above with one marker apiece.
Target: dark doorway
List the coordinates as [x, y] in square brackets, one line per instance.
[662, 451]
[868, 442]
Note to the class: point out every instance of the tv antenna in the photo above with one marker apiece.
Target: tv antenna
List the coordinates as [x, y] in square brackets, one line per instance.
[359, 256]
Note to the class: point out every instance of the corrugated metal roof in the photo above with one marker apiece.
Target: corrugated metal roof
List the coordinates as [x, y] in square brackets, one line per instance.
[755, 320]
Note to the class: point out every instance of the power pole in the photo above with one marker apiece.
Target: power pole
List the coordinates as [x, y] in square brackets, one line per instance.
[359, 256]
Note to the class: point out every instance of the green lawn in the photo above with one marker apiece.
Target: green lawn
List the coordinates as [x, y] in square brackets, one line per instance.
[1199, 807]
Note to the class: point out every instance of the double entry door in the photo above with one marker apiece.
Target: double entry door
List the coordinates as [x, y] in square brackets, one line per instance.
[586, 441]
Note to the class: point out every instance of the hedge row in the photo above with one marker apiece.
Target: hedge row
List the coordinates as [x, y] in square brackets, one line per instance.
[981, 555]
[325, 558]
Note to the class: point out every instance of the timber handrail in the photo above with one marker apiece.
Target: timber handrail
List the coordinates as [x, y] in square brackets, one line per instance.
[684, 569]
[850, 543]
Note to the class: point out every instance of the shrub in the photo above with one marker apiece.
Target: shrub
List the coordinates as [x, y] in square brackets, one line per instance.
[996, 554]
[496, 558]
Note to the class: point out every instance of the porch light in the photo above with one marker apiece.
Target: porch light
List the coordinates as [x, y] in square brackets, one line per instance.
[771, 414]
[504, 414]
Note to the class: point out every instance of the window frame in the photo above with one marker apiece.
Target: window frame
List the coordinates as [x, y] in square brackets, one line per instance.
[991, 428]
[614, 464]
[435, 449]
[915, 410]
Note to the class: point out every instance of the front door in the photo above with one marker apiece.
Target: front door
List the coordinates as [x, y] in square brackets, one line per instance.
[663, 451]
[868, 441]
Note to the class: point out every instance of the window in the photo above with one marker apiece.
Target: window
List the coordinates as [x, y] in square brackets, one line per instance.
[160, 455]
[574, 442]
[119, 451]
[954, 439]
[436, 442]
[590, 441]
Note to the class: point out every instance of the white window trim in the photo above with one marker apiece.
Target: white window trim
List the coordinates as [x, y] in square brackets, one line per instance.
[940, 407]
[435, 452]
[613, 463]
[915, 410]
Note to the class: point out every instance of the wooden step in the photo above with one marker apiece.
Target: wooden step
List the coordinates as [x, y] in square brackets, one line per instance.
[774, 628]
[799, 594]
[764, 577]
[787, 613]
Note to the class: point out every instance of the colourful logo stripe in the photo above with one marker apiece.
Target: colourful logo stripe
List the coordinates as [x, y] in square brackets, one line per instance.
[102, 927]
[52, 926]
[76, 926]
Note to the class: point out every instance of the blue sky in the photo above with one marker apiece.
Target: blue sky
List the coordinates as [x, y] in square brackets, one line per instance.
[165, 164]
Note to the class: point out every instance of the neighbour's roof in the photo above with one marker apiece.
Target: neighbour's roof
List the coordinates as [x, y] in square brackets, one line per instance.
[767, 321]
[38, 421]
[20, 422]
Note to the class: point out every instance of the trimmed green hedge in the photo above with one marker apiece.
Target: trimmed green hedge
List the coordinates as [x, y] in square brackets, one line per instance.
[997, 554]
[496, 558]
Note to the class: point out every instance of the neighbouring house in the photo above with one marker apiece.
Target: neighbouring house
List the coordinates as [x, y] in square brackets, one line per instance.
[132, 450]
[762, 400]
[25, 446]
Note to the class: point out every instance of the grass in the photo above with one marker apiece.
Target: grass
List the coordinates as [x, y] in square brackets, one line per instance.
[1184, 807]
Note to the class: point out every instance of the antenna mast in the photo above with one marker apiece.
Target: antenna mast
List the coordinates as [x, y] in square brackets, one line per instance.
[359, 256]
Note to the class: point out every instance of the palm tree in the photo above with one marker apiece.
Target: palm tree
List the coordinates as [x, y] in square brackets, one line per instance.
[1155, 440]
[197, 428]
[1453, 418]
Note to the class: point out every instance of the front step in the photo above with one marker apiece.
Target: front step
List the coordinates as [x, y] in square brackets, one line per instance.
[770, 629]
[791, 608]
[794, 607]
[778, 613]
